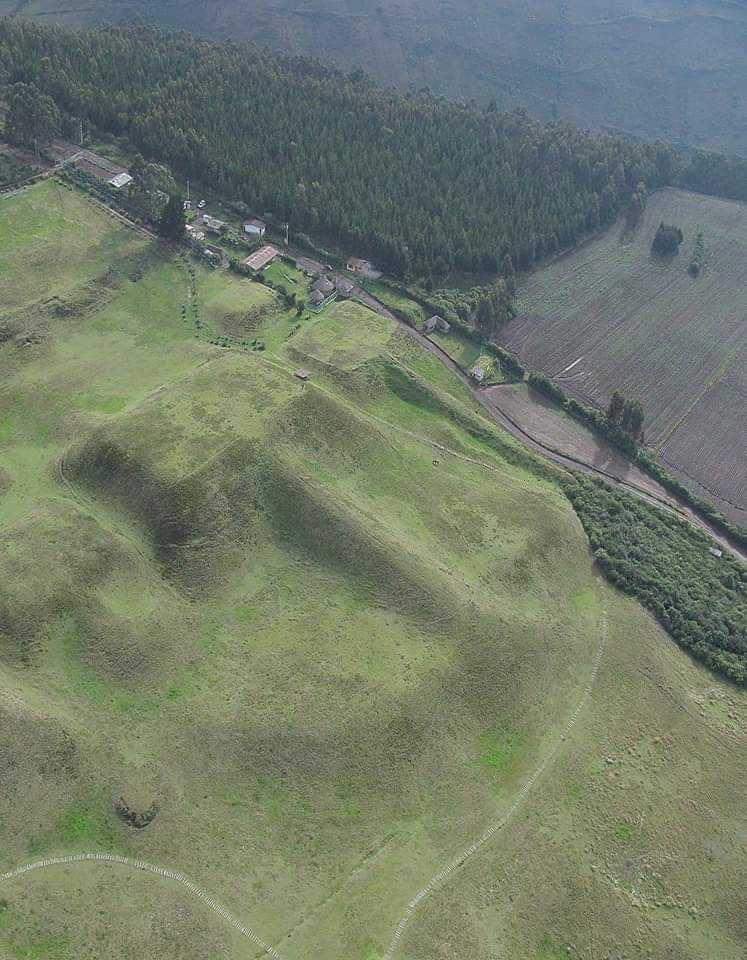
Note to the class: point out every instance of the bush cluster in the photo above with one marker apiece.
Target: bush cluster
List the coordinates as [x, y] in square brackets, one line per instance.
[699, 598]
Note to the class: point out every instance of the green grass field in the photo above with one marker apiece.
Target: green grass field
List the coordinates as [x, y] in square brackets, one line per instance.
[612, 316]
[330, 629]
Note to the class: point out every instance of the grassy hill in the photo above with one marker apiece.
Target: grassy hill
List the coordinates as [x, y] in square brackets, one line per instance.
[330, 629]
[660, 69]
[610, 315]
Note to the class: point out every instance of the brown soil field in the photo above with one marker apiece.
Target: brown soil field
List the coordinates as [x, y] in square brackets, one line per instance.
[611, 316]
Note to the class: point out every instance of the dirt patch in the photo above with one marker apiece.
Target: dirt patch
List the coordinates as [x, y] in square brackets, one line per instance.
[542, 420]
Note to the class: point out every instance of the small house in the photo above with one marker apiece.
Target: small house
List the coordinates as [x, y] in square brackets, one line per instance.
[344, 287]
[316, 299]
[324, 286]
[362, 268]
[120, 180]
[261, 258]
[213, 224]
[436, 323]
[255, 227]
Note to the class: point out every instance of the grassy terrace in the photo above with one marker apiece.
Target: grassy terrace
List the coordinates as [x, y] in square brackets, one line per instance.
[331, 651]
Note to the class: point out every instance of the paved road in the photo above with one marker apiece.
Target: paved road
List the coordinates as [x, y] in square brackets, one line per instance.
[666, 501]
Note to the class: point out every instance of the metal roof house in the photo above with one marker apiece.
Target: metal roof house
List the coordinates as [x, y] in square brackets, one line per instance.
[255, 227]
[324, 286]
[258, 260]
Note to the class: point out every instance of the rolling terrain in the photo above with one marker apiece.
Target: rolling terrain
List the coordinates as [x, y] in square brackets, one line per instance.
[330, 630]
[610, 316]
[668, 68]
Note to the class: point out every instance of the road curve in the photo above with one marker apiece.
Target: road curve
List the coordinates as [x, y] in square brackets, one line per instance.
[669, 502]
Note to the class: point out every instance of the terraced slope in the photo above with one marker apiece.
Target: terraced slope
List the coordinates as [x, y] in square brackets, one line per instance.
[329, 630]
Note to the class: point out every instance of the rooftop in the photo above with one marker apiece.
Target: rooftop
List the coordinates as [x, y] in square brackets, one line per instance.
[260, 258]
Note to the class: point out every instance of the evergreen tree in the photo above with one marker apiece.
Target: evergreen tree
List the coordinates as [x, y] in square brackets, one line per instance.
[32, 118]
[615, 408]
[172, 221]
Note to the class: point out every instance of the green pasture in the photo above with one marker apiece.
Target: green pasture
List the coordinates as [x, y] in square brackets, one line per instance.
[330, 629]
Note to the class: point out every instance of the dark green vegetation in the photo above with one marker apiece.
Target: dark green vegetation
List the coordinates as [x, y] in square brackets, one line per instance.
[336, 156]
[610, 316]
[700, 599]
[325, 648]
[667, 240]
[12, 170]
[32, 118]
[671, 68]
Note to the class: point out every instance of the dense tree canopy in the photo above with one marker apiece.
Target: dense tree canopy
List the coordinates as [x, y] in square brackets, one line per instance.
[699, 598]
[32, 118]
[421, 184]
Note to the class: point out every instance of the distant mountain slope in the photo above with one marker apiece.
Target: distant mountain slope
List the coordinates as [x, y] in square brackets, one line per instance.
[662, 68]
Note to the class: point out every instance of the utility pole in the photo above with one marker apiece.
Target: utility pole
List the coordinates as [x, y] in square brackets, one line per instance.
[287, 228]
[80, 122]
[187, 190]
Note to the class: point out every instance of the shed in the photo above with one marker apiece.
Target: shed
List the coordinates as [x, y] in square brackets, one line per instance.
[344, 287]
[715, 553]
[213, 224]
[120, 180]
[324, 286]
[255, 227]
[430, 324]
[478, 374]
[260, 258]
[302, 374]
[317, 298]
[363, 268]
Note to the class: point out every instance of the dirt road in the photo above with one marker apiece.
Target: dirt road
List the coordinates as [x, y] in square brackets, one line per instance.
[635, 481]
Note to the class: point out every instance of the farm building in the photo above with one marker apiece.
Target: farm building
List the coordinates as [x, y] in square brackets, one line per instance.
[213, 224]
[344, 287]
[316, 299]
[255, 227]
[362, 268]
[436, 323]
[261, 258]
[324, 286]
[93, 164]
[120, 180]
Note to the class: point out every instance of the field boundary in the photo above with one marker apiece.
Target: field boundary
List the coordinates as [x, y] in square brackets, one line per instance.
[444, 873]
[147, 868]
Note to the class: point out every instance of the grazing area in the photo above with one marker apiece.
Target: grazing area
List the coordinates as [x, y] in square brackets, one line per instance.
[304, 640]
[655, 69]
[613, 316]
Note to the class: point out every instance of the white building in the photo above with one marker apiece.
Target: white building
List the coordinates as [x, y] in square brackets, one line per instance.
[255, 227]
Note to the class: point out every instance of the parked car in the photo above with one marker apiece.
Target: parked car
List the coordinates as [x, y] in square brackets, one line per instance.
[201, 204]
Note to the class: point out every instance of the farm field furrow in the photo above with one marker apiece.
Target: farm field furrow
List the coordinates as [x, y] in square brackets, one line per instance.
[611, 316]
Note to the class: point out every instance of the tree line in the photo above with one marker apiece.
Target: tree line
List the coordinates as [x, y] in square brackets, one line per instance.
[422, 185]
[699, 598]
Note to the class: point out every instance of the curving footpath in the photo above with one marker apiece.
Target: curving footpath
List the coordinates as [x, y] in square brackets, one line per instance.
[148, 868]
[443, 874]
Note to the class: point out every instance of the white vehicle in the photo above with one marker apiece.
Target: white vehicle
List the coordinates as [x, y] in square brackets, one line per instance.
[201, 204]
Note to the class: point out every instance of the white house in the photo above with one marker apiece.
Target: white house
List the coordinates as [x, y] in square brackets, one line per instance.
[255, 227]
